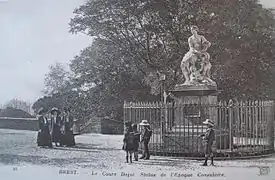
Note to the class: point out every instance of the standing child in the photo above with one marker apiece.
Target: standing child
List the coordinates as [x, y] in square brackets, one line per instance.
[136, 142]
[209, 138]
[128, 141]
[145, 138]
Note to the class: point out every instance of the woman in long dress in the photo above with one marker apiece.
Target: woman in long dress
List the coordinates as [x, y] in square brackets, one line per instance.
[69, 122]
[63, 140]
[44, 136]
[56, 123]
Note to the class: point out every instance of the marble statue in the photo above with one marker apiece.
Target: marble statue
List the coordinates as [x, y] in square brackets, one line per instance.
[195, 64]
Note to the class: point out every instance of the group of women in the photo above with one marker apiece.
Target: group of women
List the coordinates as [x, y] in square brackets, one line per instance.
[57, 129]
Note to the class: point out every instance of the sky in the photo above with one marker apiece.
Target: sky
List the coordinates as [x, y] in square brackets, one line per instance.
[33, 35]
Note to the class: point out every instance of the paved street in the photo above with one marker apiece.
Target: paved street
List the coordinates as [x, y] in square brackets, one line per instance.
[97, 154]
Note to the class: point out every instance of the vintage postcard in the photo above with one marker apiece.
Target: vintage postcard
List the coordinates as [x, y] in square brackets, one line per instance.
[137, 89]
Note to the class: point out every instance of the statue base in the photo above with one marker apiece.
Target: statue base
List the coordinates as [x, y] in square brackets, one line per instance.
[194, 101]
[181, 90]
[193, 104]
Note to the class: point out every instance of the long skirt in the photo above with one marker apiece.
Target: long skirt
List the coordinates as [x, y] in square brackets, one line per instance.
[44, 137]
[56, 135]
[62, 139]
[69, 138]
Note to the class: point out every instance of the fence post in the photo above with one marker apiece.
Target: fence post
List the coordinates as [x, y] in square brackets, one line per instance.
[124, 115]
[162, 118]
[270, 124]
[230, 116]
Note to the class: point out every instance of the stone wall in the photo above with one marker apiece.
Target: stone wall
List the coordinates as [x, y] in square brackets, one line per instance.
[19, 123]
[95, 125]
[92, 126]
[111, 126]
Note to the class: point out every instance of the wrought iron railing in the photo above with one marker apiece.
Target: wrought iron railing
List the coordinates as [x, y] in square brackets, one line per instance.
[241, 128]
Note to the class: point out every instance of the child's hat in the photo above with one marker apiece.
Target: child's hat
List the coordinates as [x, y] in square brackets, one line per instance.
[144, 123]
[208, 122]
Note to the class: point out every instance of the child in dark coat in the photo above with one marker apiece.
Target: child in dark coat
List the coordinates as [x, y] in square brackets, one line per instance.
[136, 141]
[129, 141]
[209, 138]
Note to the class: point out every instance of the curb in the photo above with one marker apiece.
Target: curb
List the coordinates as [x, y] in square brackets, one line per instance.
[219, 158]
[229, 158]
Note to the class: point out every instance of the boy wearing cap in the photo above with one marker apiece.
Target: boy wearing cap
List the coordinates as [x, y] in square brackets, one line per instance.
[145, 138]
[209, 138]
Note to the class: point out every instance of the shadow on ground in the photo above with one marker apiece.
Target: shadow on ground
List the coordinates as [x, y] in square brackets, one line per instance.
[91, 153]
[94, 147]
[13, 159]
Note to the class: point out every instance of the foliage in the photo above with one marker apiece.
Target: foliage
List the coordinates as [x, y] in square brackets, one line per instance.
[56, 79]
[18, 104]
[153, 34]
[109, 78]
[137, 41]
[15, 113]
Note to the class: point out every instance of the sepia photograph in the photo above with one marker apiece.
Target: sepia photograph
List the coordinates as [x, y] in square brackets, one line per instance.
[137, 89]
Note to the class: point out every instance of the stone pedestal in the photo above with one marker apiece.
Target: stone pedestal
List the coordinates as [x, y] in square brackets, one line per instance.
[192, 106]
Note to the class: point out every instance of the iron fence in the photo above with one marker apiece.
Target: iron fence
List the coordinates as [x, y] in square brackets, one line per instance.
[241, 128]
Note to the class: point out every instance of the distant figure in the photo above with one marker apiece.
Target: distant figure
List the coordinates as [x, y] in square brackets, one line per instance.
[44, 136]
[136, 141]
[145, 138]
[56, 126]
[68, 121]
[129, 142]
[209, 138]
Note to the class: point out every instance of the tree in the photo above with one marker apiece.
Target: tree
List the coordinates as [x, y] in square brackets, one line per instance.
[59, 90]
[19, 104]
[109, 78]
[15, 113]
[153, 36]
[57, 78]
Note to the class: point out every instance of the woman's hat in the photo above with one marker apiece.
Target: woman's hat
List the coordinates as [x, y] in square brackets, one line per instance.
[208, 122]
[144, 123]
[54, 109]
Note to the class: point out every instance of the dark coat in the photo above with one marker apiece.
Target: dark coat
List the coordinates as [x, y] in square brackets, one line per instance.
[146, 134]
[209, 138]
[44, 136]
[68, 121]
[129, 140]
[136, 140]
[56, 129]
